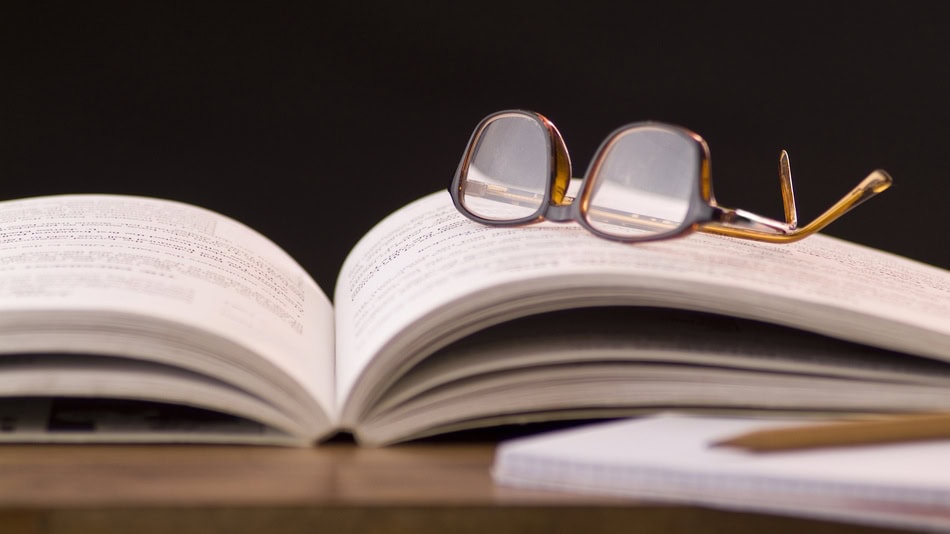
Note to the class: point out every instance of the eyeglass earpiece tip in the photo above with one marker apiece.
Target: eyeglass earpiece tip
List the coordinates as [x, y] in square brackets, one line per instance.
[879, 180]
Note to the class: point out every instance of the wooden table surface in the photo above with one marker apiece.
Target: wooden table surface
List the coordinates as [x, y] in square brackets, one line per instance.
[336, 487]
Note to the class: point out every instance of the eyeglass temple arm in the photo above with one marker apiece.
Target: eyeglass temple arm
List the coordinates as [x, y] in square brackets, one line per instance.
[788, 192]
[743, 224]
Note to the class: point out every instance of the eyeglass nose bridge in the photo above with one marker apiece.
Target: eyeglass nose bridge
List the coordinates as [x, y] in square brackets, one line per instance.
[560, 214]
[563, 211]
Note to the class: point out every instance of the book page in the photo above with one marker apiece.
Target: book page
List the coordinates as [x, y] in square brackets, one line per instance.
[170, 261]
[79, 398]
[639, 336]
[429, 271]
[621, 361]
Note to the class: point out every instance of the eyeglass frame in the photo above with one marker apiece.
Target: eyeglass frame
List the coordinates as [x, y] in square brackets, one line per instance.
[704, 214]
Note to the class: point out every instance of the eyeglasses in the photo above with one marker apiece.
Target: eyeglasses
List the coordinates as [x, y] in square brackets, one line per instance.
[647, 181]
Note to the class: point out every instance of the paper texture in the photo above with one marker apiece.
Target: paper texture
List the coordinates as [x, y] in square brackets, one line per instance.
[426, 275]
[118, 275]
[669, 458]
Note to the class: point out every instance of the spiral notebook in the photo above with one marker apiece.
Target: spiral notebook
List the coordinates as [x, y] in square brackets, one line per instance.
[670, 458]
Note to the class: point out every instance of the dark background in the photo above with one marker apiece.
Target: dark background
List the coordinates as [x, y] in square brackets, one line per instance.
[310, 122]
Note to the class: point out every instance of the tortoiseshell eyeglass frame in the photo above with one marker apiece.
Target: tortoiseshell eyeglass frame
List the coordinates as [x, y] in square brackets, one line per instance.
[704, 213]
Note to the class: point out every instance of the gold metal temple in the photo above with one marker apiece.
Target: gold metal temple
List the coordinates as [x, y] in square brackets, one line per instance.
[729, 225]
[788, 192]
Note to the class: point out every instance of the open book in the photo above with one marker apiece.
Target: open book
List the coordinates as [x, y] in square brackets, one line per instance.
[136, 319]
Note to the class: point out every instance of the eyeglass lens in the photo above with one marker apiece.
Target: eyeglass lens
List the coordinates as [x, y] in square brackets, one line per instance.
[509, 169]
[643, 182]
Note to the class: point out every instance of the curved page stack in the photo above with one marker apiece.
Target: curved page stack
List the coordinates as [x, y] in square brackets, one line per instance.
[139, 319]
